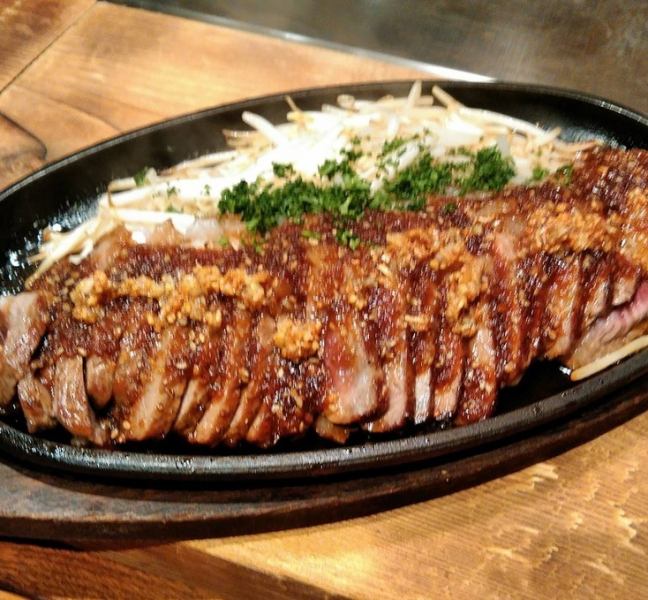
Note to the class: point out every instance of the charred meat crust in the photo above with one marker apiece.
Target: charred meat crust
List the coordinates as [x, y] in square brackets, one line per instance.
[427, 319]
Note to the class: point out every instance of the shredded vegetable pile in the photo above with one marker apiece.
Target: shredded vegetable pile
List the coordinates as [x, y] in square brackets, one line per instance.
[360, 154]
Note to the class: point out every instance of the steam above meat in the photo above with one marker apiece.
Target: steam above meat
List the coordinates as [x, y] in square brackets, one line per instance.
[426, 319]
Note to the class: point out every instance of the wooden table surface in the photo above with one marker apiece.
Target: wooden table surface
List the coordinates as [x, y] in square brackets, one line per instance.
[73, 72]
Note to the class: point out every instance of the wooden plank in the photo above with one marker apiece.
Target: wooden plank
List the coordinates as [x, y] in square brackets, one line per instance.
[28, 26]
[38, 571]
[579, 514]
[4, 595]
[574, 526]
[20, 150]
[51, 506]
[51, 124]
[104, 76]
[232, 580]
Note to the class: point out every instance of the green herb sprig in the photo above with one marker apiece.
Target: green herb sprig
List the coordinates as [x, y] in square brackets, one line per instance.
[346, 196]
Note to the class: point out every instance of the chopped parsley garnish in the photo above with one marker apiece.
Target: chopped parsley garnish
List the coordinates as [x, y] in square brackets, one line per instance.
[223, 242]
[344, 195]
[347, 238]
[449, 208]
[415, 183]
[207, 190]
[391, 152]
[351, 155]
[263, 207]
[171, 209]
[490, 172]
[565, 173]
[172, 191]
[391, 145]
[140, 177]
[310, 235]
[461, 151]
[538, 173]
[282, 169]
[330, 168]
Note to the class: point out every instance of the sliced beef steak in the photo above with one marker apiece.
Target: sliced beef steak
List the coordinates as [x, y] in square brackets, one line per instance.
[425, 318]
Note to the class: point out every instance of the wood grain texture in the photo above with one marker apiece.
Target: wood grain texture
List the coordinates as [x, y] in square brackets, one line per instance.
[150, 573]
[20, 150]
[65, 573]
[5, 595]
[508, 535]
[29, 26]
[572, 527]
[105, 76]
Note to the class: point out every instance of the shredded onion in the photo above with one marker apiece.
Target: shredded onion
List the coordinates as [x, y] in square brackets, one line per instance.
[436, 123]
[609, 359]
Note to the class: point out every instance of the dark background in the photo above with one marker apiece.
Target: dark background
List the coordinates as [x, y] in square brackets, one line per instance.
[597, 46]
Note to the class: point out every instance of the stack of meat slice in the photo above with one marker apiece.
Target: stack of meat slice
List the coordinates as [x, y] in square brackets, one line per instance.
[427, 319]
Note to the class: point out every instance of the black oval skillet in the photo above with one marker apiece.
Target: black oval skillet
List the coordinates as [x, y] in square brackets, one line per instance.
[66, 190]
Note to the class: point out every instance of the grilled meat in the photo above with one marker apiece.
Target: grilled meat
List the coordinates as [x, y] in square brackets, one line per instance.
[23, 321]
[427, 319]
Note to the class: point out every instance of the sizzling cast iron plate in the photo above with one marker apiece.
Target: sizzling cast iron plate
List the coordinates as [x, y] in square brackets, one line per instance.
[64, 191]
[64, 507]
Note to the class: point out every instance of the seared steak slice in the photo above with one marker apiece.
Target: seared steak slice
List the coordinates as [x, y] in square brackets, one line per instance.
[23, 321]
[613, 331]
[626, 280]
[534, 275]
[479, 387]
[507, 310]
[423, 323]
[449, 366]
[192, 406]
[161, 388]
[36, 403]
[352, 376]
[562, 309]
[70, 401]
[598, 287]
[226, 393]
[291, 400]
[264, 429]
[388, 308]
[100, 374]
[353, 380]
[252, 394]
[8, 380]
[138, 346]
[449, 373]
[205, 372]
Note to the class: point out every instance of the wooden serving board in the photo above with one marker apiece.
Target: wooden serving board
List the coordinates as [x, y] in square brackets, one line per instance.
[101, 75]
[54, 506]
